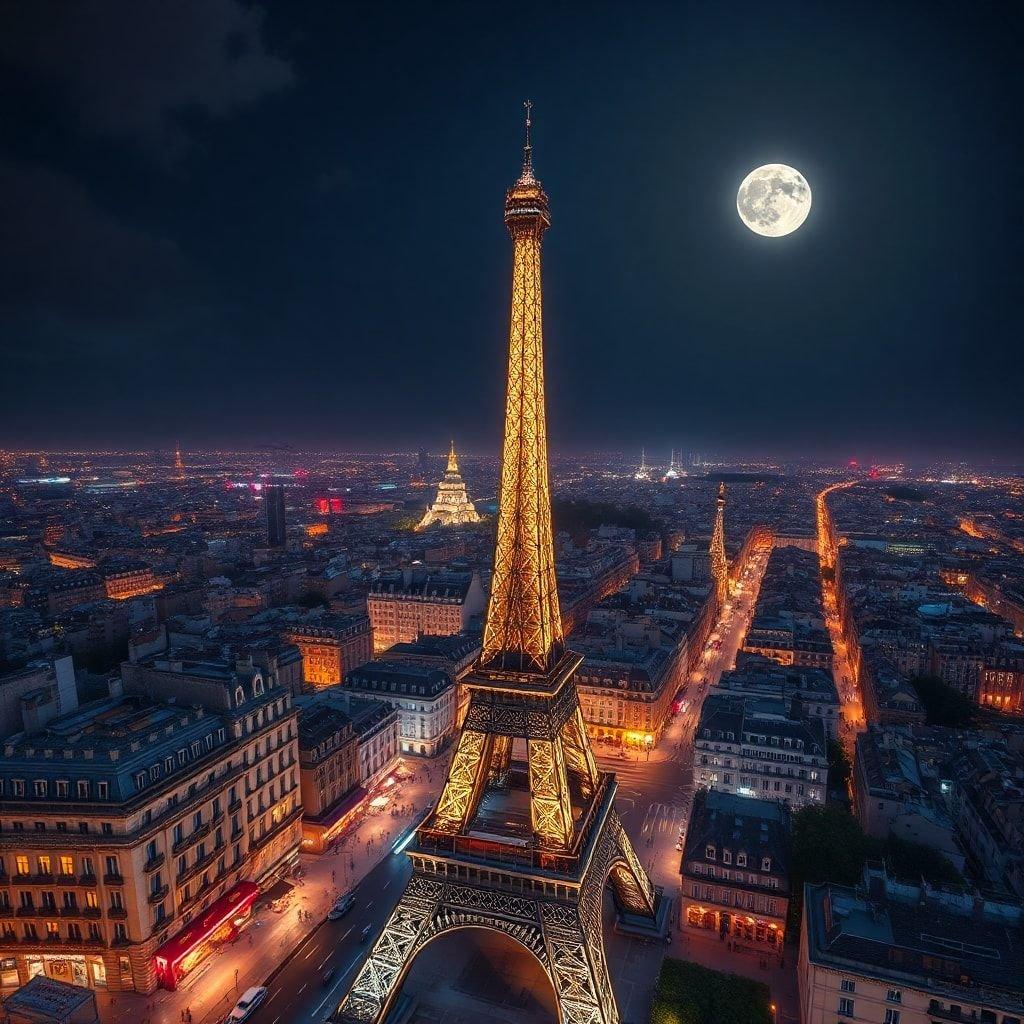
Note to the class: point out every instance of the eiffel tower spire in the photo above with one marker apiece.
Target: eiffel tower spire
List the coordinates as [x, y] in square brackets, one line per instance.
[523, 629]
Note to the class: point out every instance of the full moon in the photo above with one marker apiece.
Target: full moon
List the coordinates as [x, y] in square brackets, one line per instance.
[774, 200]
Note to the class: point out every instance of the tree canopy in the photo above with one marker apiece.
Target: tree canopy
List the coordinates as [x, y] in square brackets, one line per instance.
[690, 994]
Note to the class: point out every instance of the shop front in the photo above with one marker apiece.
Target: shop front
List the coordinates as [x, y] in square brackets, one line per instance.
[318, 832]
[218, 924]
[75, 969]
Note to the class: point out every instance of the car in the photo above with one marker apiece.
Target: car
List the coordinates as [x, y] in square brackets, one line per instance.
[342, 905]
[251, 998]
[365, 933]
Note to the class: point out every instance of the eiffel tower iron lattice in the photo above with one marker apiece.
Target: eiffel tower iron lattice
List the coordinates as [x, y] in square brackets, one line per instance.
[525, 835]
[719, 561]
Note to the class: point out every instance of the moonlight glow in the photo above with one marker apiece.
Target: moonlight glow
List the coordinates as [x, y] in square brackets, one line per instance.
[774, 200]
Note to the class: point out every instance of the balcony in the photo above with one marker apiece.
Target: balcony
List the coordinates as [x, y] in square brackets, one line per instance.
[117, 913]
[194, 869]
[159, 926]
[26, 911]
[193, 837]
[89, 878]
[157, 895]
[234, 805]
[42, 878]
[91, 912]
[67, 879]
[115, 879]
[153, 863]
[70, 911]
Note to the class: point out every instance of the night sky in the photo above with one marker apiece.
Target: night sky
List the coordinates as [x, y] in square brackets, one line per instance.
[232, 224]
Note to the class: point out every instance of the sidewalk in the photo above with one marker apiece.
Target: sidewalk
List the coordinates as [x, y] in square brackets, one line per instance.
[210, 992]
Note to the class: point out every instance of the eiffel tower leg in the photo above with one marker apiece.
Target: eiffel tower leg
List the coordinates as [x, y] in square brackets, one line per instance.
[382, 972]
[634, 893]
[577, 964]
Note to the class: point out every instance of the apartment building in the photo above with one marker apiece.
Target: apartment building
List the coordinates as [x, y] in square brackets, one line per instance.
[137, 828]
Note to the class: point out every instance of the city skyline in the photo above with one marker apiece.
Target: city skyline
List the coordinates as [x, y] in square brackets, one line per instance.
[258, 234]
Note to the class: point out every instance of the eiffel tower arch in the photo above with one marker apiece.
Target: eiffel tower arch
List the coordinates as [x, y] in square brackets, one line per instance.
[525, 835]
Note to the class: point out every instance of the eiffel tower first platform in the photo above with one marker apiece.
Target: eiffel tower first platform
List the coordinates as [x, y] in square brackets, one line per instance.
[525, 835]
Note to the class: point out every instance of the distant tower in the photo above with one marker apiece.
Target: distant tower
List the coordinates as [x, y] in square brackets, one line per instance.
[524, 835]
[672, 473]
[179, 465]
[273, 498]
[719, 562]
[452, 506]
[644, 472]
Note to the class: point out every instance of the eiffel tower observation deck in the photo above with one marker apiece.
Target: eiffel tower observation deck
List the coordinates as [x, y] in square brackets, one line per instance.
[525, 835]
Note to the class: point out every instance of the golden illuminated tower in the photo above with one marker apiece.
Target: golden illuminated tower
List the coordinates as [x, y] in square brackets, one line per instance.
[525, 835]
[179, 465]
[719, 562]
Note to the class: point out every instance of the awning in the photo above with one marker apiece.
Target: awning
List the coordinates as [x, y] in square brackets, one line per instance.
[219, 913]
[332, 817]
[277, 891]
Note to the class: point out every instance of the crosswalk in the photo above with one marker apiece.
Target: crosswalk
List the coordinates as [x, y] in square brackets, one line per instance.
[662, 819]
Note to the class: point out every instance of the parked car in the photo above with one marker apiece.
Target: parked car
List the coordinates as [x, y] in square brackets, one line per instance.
[342, 905]
[244, 1008]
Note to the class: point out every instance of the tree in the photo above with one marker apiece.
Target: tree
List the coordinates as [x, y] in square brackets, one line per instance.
[942, 704]
[839, 768]
[828, 845]
[690, 994]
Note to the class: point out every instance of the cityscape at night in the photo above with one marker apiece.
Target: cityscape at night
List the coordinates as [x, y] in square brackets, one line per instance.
[510, 514]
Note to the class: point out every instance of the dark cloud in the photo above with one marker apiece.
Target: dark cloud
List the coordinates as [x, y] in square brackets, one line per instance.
[67, 258]
[133, 68]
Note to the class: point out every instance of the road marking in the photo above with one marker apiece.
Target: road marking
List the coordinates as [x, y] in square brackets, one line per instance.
[334, 988]
[312, 950]
[346, 935]
[273, 997]
[276, 1019]
[326, 958]
[390, 880]
[301, 990]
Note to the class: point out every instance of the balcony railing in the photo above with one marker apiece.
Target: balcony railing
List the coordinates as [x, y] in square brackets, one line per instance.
[115, 878]
[157, 895]
[153, 863]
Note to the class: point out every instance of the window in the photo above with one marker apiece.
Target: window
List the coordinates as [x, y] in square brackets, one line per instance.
[103, 789]
[83, 789]
[847, 985]
[63, 787]
[21, 863]
[83, 827]
[894, 995]
[726, 854]
[766, 863]
[741, 860]
[845, 1007]
[40, 787]
[18, 787]
[112, 867]
[892, 1016]
[709, 853]
[90, 899]
[45, 865]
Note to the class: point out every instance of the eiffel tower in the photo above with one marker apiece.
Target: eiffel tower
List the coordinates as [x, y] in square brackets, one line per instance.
[719, 560]
[525, 835]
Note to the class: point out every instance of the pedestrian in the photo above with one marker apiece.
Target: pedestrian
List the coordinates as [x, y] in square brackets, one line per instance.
[332, 875]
